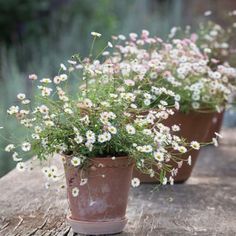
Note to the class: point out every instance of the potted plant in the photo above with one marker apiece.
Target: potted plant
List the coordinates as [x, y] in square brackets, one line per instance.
[98, 140]
[153, 69]
[215, 41]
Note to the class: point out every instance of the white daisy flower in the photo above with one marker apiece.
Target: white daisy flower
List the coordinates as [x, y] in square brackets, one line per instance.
[13, 110]
[132, 105]
[83, 181]
[37, 129]
[26, 101]
[147, 148]
[68, 110]
[46, 170]
[90, 135]
[63, 67]
[49, 123]
[164, 181]
[135, 182]
[63, 77]
[215, 142]
[78, 139]
[129, 82]
[182, 149]
[9, 147]
[207, 13]
[112, 129]
[96, 34]
[109, 44]
[46, 91]
[35, 136]
[72, 62]
[15, 157]
[195, 105]
[57, 80]
[53, 169]
[21, 166]
[89, 145]
[171, 180]
[88, 103]
[46, 80]
[21, 96]
[121, 37]
[26, 146]
[43, 109]
[101, 138]
[112, 115]
[175, 128]
[107, 136]
[75, 161]
[195, 145]
[147, 102]
[130, 129]
[75, 192]
[147, 132]
[33, 77]
[159, 156]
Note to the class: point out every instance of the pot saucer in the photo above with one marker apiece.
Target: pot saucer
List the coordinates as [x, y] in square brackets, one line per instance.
[97, 227]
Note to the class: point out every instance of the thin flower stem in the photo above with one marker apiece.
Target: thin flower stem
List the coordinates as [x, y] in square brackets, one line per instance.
[91, 49]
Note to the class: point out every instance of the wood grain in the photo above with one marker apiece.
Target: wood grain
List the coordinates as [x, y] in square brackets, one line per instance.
[204, 205]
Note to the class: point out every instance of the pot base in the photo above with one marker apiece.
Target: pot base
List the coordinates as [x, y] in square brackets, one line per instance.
[97, 227]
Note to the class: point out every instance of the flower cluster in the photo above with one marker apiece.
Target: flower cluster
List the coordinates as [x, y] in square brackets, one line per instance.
[117, 106]
[178, 70]
[103, 117]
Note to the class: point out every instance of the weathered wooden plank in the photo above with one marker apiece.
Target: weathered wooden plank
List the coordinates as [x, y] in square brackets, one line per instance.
[205, 205]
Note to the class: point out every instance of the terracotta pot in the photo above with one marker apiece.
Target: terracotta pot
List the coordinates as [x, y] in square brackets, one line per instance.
[194, 126]
[101, 203]
[216, 124]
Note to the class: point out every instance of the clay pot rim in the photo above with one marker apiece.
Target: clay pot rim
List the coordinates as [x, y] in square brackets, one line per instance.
[103, 157]
[119, 161]
[142, 112]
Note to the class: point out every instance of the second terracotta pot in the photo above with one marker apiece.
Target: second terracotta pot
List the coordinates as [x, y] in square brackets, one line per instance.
[194, 126]
[98, 195]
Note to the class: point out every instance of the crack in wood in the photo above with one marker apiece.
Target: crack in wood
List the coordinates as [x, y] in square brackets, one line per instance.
[40, 227]
[4, 226]
[19, 223]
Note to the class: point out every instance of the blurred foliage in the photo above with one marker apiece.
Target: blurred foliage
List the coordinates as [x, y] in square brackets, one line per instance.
[22, 19]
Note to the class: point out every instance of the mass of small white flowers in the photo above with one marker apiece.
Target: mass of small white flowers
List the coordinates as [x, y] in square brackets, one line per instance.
[174, 71]
[118, 107]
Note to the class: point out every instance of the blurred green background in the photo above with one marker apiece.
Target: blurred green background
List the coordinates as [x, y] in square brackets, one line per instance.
[36, 36]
